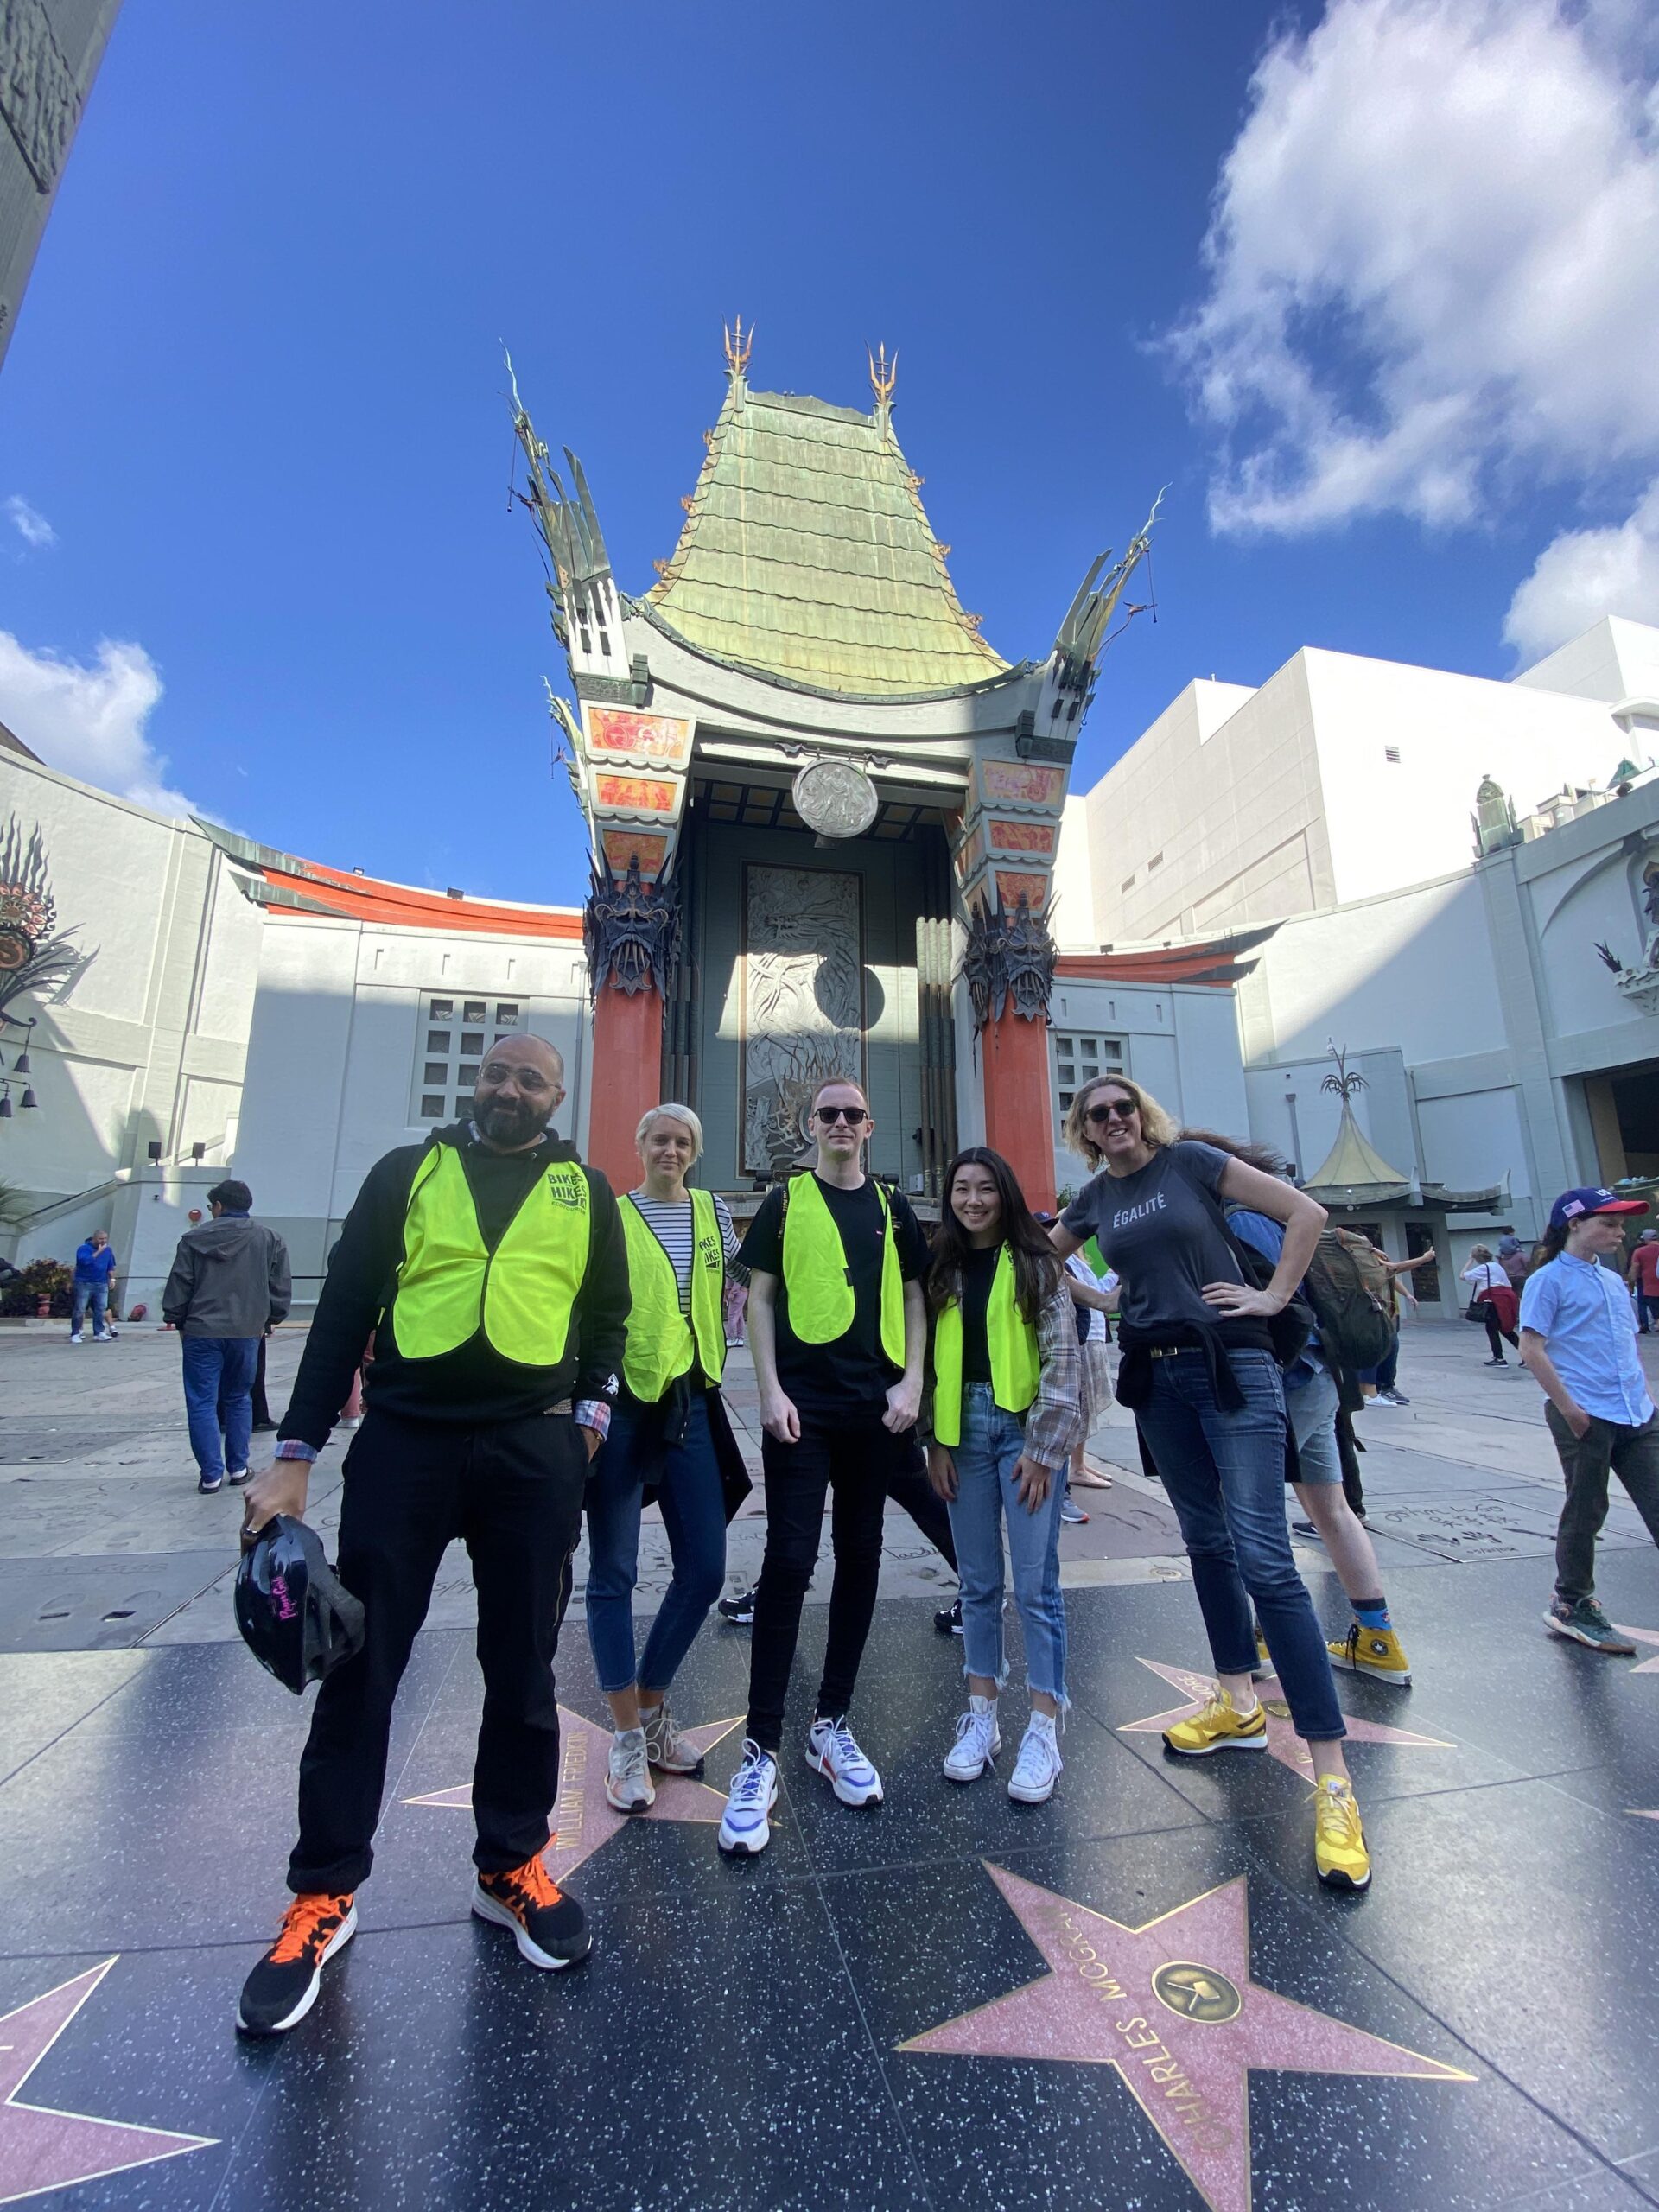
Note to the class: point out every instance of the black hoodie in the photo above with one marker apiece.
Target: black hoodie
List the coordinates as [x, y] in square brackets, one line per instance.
[474, 1383]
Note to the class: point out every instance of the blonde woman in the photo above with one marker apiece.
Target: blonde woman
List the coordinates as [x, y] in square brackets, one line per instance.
[1200, 1373]
[669, 1435]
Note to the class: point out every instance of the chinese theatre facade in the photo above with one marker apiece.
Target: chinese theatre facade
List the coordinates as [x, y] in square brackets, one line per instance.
[824, 812]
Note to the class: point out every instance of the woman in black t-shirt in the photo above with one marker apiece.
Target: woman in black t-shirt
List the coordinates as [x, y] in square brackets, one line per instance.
[1199, 1373]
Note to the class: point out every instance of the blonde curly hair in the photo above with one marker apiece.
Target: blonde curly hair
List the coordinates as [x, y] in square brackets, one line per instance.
[1156, 1127]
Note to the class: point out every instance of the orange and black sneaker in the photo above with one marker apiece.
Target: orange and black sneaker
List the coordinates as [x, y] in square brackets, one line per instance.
[282, 1987]
[549, 1928]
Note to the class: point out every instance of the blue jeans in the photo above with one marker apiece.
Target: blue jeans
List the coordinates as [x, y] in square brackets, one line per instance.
[219, 1378]
[694, 1513]
[1224, 1475]
[986, 1458]
[97, 1295]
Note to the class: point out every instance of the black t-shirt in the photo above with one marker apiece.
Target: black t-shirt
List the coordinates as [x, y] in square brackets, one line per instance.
[853, 1371]
[1156, 1233]
[978, 1271]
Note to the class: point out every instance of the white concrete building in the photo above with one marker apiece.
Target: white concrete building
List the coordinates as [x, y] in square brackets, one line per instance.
[1342, 777]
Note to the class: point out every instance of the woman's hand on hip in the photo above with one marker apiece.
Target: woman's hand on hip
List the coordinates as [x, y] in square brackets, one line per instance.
[1238, 1301]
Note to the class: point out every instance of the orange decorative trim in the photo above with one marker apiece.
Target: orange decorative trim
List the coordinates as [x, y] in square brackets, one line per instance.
[646, 846]
[1021, 783]
[395, 905]
[660, 740]
[1011, 889]
[635, 795]
[1022, 837]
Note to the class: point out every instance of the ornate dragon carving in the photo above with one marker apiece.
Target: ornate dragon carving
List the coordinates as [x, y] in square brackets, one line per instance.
[631, 930]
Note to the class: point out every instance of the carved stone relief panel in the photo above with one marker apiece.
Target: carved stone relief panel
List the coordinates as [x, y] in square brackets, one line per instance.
[802, 1002]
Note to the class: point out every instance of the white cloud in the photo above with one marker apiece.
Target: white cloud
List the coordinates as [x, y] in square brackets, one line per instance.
[30, 524]
[1433, 265]
[89, 720]
[1585, 574]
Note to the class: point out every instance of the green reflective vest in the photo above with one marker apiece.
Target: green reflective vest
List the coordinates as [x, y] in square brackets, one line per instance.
[1016, 1364]
[449, 1284]
[662, 1343]
[820, 1300]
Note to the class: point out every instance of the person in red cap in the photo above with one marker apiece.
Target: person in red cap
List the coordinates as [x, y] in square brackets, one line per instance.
[1577, 1336]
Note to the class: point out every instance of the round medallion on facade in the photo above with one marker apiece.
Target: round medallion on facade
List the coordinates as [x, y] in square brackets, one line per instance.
[1197, 1993]
[836, 798]
[14, 950]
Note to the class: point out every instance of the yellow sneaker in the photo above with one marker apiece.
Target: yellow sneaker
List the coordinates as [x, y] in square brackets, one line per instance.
[1263, 1667]
[1216, 1727]
[1339, 1852]
[1374, 1651]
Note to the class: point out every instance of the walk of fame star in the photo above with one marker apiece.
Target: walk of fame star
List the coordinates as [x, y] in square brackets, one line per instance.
[1172, 2006]
[582, 1818]
[1283, 1743]
[41, 2149]
[1643, 1635]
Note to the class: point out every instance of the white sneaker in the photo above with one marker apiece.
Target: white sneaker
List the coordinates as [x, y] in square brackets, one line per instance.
[74, 1336]
[978, 1741]
[627, 1782]
[1037, 1767]
[830, 1749]
[668, 1750]
[745, 1827]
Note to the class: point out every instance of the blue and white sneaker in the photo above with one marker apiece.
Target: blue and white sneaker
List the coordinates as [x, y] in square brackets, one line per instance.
[830, 1749]
[745, 1827]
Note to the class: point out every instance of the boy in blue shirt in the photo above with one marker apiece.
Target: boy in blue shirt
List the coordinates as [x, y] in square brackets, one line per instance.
[94, 1266]
[1577, 1336]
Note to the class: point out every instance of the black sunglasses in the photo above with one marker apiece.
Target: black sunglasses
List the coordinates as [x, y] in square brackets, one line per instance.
[853, 1116]
[1122, 1109]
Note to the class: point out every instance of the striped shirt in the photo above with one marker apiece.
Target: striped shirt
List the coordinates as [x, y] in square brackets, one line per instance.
[669, 1223]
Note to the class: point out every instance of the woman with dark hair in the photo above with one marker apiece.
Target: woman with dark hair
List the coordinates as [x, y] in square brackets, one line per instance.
[1004, 1412]
[1200, 1372]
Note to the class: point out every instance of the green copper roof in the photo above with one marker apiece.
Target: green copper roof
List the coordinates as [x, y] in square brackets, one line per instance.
[806, 555]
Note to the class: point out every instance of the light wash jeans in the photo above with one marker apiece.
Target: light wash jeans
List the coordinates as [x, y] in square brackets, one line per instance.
[95, 1294]
[992, 1441]
[694, 1513]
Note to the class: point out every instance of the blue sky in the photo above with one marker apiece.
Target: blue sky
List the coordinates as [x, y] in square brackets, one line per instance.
[254, 408]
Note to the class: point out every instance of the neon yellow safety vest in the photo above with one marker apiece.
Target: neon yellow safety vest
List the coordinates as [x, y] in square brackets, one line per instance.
[662, 1343]
[450, 1284]
[820, 1300]
[1016, 1364]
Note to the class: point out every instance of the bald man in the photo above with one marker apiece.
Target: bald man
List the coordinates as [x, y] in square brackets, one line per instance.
[488, 1265]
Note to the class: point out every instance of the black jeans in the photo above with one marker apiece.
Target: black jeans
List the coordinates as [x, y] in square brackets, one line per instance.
[1607, 1447]
[910, 1489]
[856, 1458]
[1497, 1335]
[512, 1490]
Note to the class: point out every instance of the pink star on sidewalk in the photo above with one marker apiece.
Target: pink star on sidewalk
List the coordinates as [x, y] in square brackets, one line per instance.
[1172, 2006]
[41, 2149]
[584, 1819]
[1283, 1743]
[1643, 1635]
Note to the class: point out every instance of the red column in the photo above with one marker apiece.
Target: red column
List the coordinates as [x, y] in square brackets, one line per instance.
[627, 1078]
[1019, 1110]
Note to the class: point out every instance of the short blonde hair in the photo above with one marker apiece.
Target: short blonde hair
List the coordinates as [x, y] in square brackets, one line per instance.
[1156, 1126]
[834, 1083]
[671, 1110]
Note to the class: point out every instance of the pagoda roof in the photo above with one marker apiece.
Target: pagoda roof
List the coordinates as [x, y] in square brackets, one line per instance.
[1354, 1173]
[806, 557]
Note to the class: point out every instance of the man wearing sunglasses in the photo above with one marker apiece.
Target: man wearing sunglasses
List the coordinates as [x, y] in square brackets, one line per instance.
[838, 1329]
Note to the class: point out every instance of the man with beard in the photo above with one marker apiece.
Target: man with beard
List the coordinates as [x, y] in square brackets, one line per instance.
[489, 1267]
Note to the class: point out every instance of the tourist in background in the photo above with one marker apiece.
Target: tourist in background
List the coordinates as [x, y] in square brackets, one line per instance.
[1492, 1300]
[1395, 1285]
[838, 1329]
[1578, 1336]
[1512, 1258]
[669, 1436]
[229, 1284]
[1199, 1369]
[94, 1273]
[1005, 1409]
[1643, 1276]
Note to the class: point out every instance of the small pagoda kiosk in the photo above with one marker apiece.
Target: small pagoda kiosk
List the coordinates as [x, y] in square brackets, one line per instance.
[824, 812]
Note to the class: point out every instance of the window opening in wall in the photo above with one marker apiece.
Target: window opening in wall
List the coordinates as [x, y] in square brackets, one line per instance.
[1080, 1059]
[1391, 752]
[1128, 884]
[1424, 1284]
[446, 1070]
[1157, 861]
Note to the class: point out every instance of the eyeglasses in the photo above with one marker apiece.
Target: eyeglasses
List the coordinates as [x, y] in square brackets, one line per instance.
[853, 1116]
[1121, 1110]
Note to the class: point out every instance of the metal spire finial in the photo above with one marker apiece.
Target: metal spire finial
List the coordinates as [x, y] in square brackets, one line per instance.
[739, 344]
[884, 374]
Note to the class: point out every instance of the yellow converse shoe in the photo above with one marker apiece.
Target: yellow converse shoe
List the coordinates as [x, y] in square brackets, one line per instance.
[1339, 1852]
[1216, 1727]
[1372, 1651]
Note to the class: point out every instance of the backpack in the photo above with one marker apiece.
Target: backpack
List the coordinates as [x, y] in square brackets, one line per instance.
[1347, 1285]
